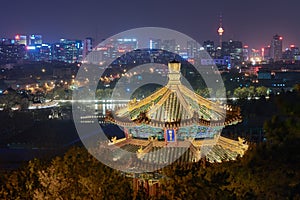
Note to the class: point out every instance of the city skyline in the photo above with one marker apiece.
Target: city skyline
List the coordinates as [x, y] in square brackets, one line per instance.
[253, 22]
[141, 38]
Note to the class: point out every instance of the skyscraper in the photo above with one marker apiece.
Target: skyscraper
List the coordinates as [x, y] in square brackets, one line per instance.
[169, 45]
[246, 53]
[67, 51]
[21, 39]
[234, 49]
[87, 47]
[276, 48]
[266, 53]
[295, 50]
[209, 46]
[155, 43]
[35, 39]
[192, 49]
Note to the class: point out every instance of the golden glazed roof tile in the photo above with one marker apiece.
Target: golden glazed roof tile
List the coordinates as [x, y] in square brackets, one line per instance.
[175, 105]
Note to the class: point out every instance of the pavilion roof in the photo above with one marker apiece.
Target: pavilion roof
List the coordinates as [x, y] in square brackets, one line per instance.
[156, 152]
[176, 105]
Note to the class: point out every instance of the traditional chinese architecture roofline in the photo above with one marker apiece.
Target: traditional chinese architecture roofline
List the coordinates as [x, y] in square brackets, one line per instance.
[176, 105]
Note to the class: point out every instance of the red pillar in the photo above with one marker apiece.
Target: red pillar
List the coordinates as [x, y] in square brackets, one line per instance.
[135, 185]
[126, 132]
[146, 185]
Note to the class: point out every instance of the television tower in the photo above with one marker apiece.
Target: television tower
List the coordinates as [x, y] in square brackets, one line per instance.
[220, 31]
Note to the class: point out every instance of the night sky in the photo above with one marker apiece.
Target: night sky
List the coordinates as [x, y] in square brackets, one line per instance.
[252, 21]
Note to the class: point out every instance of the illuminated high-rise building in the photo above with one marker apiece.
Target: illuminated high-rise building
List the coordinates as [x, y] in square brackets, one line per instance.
[118, 47]
[192, 49]
[155, 43]
[290, 54]
[126, 44]
[169, 45]
[35, 39]
[287, 55]
[295, 50]
[276, 48]
[115, 48]
[246, 55]
[10, 52]
[256, 56]
[21, 39]
[234, 49]
[87, 47]
[209, 47]
[266, 53]
[69, 51]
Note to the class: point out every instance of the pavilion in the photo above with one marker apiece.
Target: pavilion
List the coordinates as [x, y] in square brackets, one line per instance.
[179, 123]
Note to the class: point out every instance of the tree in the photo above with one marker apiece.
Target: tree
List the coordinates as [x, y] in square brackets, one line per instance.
[76, 175]
[261, 91]
[251, 91]
[12, 98]
[241, 93]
